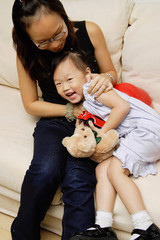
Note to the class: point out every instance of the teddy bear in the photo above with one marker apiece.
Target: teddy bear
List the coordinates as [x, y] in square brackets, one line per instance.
[89, 141]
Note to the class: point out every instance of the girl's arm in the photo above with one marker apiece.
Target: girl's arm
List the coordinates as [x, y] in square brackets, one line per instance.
[32, 104]
[103, 59]
[119, 109]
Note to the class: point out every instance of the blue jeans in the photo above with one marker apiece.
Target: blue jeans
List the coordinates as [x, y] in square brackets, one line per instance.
[53, 165]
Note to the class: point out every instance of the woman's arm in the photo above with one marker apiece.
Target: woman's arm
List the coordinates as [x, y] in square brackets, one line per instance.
[29, 94]
[119, 109]
[103, 58]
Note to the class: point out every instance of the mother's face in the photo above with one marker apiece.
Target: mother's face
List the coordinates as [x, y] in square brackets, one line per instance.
[48, 32]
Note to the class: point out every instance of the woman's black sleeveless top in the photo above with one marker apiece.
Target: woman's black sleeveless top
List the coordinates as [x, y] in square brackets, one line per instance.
[49, 92]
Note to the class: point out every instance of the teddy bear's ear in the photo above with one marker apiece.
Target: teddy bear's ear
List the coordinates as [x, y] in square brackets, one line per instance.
[65, 141]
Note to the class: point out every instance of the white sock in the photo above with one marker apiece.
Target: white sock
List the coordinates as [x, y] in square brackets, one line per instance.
[103, 219]
[140, 220]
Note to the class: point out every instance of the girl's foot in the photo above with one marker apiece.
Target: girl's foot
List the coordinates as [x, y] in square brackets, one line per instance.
[151, 233]
[97, 234]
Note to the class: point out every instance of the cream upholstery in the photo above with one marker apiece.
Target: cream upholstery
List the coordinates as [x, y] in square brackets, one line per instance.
[141, 45]
[132, 32]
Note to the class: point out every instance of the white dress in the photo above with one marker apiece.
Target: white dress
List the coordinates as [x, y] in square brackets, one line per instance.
[139, 133]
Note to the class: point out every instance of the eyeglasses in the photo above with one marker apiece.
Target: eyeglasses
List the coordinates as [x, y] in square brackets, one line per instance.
[57, 37]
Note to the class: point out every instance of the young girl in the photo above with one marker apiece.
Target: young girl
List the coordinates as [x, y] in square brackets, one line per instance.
[138, 126]
[41, 30]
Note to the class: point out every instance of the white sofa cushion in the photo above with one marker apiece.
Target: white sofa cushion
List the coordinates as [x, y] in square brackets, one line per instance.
[141, 52]
[15, 139]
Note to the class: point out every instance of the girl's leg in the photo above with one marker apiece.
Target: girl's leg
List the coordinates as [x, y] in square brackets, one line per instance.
[125, 187]
[105, 193]
[105, 196]
[131, 197]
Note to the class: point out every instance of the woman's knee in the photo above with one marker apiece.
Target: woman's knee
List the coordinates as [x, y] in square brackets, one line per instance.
[41, 176]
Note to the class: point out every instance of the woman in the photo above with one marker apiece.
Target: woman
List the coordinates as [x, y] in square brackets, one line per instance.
[42, 30]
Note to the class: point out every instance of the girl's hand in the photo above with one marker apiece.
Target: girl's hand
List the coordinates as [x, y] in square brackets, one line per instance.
[99, 131]
[101, 82]
[78, 109]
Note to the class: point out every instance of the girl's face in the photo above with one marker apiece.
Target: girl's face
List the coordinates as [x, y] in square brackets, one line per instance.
[69, 81]
[48, 32]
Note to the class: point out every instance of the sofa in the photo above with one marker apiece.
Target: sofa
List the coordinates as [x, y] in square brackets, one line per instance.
[132, 32]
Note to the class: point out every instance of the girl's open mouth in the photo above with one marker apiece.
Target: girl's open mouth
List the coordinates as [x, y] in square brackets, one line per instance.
[72, 95]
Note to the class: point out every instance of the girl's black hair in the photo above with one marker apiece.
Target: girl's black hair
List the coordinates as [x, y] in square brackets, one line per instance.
[78, 57]
[35, 61]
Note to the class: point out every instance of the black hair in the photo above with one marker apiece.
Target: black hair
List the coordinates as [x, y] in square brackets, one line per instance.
[35, 61]
[78, 57]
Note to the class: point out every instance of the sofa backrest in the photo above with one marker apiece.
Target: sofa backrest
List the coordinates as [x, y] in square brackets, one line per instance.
[112, 16]
[141, 50]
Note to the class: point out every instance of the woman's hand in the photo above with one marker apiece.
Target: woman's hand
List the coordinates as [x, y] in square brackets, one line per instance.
[78, 109]
[101, 82]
